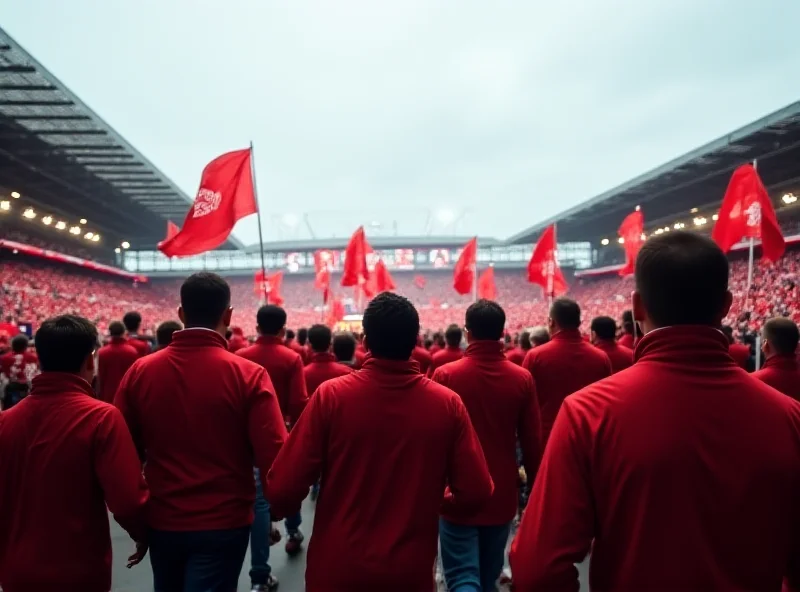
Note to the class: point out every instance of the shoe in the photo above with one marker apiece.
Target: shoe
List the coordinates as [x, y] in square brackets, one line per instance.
[294, 543]
[274, 536]
[270, 586]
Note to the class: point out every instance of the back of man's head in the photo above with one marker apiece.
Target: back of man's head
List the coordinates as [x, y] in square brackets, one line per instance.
[164, 332]
[116, 329]
[302, 336]
[565, 314]
[604, 328]
[271, 320]
[344, 346]
[452, 336]
[19, 343]
[391, 326]
[319, 336]
[539, 336]
[132, 321]
[682, 279]
[781, 335]
[64, 344]
[289, 334]
[627, 321]
[485, 320]
[205, 299]
[525, 340]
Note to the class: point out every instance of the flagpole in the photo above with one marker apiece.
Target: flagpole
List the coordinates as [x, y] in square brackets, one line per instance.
[551, 269]
[752, 249]
[258, 215]
[475, 274]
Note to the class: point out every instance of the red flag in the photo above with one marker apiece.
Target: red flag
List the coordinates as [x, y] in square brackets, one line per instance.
[322, 273]
[630, 231]
[464, 272]
[747, 211]
[543, 268]
[383, 279]
[172, 229]
[355, 259]
[419, 281]
[335, 311]
[269, 286]
[486, 287]
[225, 195]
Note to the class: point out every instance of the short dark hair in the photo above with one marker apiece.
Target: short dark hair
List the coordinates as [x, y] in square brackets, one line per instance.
[485, 320]
[164, 332]
[289, 333]
[344, 346]
[319, 336]
[271, 319]
[565, 313]
[525, 340]
[727, 330]
[63, 343]
[132, 321]
[302, 335]
[682, 279]
[452, 336]
[539, 336]
[782, 335]
[205, 297]
[116, 329]
[391, 326]
[604, 327]
[627, 321]
[19, 343]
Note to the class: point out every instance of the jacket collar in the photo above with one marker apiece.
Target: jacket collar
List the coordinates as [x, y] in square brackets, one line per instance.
[270, 340]
[118, 340]
[322, 358]
[606, 344]
[781, 361]
[485, 349]
[60, 383]
[451, 349]
[693, 345]
[198, 337]
[380, 366]
[567, 335]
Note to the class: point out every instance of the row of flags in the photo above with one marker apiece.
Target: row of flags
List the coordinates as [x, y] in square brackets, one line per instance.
[227, 194]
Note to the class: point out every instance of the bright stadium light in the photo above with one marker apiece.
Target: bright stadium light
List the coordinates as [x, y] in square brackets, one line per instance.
[29, 214]
[693, 211]
[75, 230]
[700, 221]
[117, 250]
[96, 238]
[621, 240]
[659, 231]
[667, 229]
[715, 217]
[789, 198]
[61, 225]
[88, 235]
[5, 206]
[125, 245]
[83, 221]
[47, 220]
[604, 242]
[15, 194]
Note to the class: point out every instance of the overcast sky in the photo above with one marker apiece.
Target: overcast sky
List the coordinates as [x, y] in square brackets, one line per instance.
[500, 113]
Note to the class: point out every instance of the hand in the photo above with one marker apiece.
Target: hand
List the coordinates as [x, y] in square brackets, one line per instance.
[138, 555]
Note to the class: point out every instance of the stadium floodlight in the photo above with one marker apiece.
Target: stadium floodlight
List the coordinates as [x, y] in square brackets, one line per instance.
[5, 206]
[61, 225]
[75, 230]
[47, 220]
[88, 235]
[700, 221]
[715, 217]
[621, 240]
[604, 242]
[117, 250]
[789, 198]
[659, 231]
[693, 211]
[667, 229]
[82, 221]
[96, 238]
[29, 214]
[125, 245]
[15, 194]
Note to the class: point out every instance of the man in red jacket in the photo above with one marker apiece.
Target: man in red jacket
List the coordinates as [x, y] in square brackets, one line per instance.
[421, 355]
[781, 370]
[344, 349]
[285, 368]
[517, 355]
[322, 364]
[113, 361]
[65, 457]
[17, 369]
[386, 442]
[451, 353]
[628, 338]
[565, 364]
[604, 338]
[501, 401]
[237, 340]
[681, 472]
[202, 418]
[133, 322]
[739, 351]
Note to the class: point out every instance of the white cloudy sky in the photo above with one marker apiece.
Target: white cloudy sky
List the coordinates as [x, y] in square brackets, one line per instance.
[502, 112]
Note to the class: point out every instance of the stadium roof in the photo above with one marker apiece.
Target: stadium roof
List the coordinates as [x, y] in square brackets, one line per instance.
[695, 180]
[378, 242]
[65, 159]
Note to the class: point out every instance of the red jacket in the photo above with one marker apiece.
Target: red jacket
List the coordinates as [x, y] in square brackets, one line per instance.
[740, 354]
[423, 358]
[621, 357]
[19, 368]
[444, 356]
[385, 441]
[65, 456]
[298, 349]
[782, 373]
[501, 401]
[516, 355]
[628, 341]
[285, 368]
[683, 470]
[113, 361]
[140, 345]
[322, 367]
[202, 418]
[560, 367]
[237, 342]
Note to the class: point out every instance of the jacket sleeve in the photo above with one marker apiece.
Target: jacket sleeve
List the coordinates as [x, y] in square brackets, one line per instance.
[557, 529]
[299, 463]
[124, 401]
[298, 397]
[119, 473]
[469, 484]
[529, 431]
[265, 425]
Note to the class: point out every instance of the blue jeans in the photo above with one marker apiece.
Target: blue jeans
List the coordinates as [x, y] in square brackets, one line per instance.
[472, 556]
[259, 537]
[197, 561]
[293, 523]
